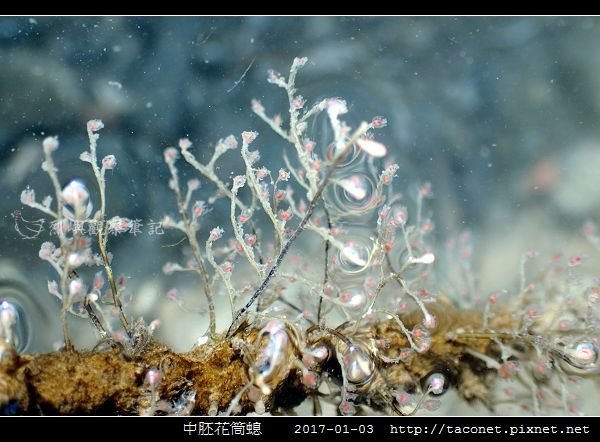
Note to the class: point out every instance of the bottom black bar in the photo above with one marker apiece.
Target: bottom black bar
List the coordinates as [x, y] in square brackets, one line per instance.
[308, 428]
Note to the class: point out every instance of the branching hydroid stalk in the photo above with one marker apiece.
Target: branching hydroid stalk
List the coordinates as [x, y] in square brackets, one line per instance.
[309, 212]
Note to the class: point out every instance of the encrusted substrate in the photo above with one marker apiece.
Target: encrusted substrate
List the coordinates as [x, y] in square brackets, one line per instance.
[114, 381]
[110, 382]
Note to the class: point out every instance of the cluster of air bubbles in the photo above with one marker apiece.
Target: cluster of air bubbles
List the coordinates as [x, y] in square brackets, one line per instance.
[581, 357]
[352, 189]
[354, 256]
[14, 328]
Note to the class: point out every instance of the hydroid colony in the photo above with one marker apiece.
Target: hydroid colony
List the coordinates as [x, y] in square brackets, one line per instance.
[361, 323]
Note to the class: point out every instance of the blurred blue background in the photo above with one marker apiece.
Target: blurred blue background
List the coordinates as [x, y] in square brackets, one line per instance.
[500, 114]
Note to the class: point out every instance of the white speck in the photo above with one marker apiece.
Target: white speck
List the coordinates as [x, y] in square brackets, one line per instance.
[148, 105]
[115, 84]
[33, 21]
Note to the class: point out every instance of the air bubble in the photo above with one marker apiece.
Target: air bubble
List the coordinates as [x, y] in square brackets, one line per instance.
[354, 256]
[581, 357]
[358, 366]
[14, 327]
[436, 384]
[273, 346]
[350, 156]
[353, 298]
[414, 269]
[354, 194]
